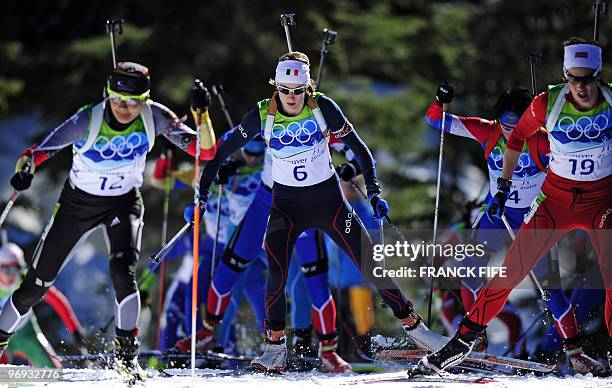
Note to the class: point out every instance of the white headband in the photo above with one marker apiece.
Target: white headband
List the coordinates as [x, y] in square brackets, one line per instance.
[582, 55]
[292, 72]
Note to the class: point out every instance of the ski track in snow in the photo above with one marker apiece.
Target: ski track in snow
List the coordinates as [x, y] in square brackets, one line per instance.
[90, 378]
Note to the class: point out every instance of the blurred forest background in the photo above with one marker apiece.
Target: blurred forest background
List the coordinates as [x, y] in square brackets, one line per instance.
[383, 70]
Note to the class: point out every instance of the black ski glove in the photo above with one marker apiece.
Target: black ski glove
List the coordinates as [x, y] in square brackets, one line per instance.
[348, 171]
[445, 93]
[199, 98]
[227, 170]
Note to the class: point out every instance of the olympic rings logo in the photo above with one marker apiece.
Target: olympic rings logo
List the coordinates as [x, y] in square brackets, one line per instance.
[118, 145]
[497, 156]
[586, 126]
[301, 132]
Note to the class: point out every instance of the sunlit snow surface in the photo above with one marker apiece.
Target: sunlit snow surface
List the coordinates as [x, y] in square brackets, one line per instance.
[212, 378]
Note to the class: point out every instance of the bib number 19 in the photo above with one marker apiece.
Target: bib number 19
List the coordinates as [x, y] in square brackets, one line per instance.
[298, 174]
[587, 166]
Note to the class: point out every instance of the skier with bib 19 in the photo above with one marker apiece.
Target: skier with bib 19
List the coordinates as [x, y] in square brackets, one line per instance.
[296, 123]
[110, 141]
[527, 179]
[576, 193]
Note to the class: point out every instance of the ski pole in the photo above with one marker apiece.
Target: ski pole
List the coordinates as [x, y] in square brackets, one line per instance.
[218, 91]
[435, 225]
[329, 38]
[162, 271]
[114, 26]
[395, 228]
[600, 8]
[216, 242]
[287, 20]
[196, 236]
[156, 258]
[8, 207]
[534, 60]
[358, 189]
[544, 294]
[527, 330]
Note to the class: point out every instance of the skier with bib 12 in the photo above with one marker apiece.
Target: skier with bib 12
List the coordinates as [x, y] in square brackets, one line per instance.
[110, 141]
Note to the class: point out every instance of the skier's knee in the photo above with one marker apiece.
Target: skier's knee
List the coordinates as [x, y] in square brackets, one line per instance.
[30, 292]
[314, 268]
[233, 261]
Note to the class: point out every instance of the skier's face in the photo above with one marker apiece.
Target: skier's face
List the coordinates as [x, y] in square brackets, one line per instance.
[124, 112]
[252, 160]
[583, 86]
[292, 102]
[8, 275]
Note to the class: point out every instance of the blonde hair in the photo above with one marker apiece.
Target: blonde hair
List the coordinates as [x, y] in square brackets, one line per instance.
[297, 56]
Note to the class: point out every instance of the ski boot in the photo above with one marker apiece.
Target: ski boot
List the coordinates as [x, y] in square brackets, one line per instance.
[332, 362]
[454, 352]
[4, 341]
[482, 343]
[579, 360]
[304, 357]
[274, 357]
[543, 356]
[609, 354]
[125, 360]
[420, 335]
[205, 339]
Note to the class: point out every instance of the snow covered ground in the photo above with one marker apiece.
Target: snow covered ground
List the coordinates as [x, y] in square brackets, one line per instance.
[108, 379]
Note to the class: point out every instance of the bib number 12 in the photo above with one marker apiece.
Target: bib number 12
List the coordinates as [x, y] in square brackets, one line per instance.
[298, 174]
[114, 185]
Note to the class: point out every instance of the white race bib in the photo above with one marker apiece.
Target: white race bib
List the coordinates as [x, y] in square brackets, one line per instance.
[523, 190]
[108, 183]
[304, 169]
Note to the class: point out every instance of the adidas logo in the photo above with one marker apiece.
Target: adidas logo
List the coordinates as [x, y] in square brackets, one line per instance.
[115, 221]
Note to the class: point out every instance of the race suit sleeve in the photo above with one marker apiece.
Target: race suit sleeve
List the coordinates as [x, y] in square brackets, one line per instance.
[530, 123]
[172, 128]
[475, 128]
[342, 129]
[249, 127]
[70, 131]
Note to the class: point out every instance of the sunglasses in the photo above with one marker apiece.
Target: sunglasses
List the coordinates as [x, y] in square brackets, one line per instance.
[296, 91]
[132, 101]
[587, 79]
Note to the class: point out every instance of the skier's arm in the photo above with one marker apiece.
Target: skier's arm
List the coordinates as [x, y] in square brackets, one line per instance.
[69, 132]
[172, 128]
[350, 169]
[342, 129]
[249, 127]
[475, 128]
[530, 123]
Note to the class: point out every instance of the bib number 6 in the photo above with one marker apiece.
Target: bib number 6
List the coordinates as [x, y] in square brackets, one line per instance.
[298, 174]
